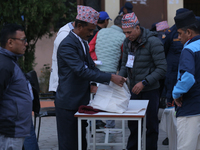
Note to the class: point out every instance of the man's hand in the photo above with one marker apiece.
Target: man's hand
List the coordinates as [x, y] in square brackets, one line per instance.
[178, 101]
[137, 88]
[119, 80]
[93, 89]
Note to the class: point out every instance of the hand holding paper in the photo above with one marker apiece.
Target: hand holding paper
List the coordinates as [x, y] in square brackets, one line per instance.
[119, 80]
[93, 89]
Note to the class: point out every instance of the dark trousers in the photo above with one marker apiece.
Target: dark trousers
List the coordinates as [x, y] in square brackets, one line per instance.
[151, 121]
[30, 142]
[67, 128]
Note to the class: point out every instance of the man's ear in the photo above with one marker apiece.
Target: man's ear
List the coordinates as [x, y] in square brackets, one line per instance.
[10, 42]
[189, 32]
[137, 27]
[79, 26]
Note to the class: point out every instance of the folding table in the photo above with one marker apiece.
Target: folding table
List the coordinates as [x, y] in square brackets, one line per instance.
[136, 111]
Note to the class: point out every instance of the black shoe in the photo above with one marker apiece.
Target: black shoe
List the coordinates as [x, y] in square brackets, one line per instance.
[165, 141]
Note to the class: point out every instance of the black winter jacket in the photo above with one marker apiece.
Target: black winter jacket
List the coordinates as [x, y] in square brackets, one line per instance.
[149, 63]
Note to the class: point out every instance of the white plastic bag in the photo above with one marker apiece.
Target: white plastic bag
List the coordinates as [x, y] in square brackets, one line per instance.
[111, 98]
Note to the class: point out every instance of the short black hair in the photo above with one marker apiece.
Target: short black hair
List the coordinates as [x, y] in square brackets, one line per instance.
[83, 23]
[118, 21]
[101, 21]
[9, 31]
[195, 27]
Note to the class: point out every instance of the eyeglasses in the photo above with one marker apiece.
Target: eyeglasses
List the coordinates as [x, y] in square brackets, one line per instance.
[23, 40]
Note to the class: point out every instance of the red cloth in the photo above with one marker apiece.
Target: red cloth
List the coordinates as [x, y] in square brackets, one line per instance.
[121, 51]
[88, 110]
[92, 47]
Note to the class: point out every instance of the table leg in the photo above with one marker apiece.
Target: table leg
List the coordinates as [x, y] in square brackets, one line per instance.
[88, 134]
[80, 135]
[144, 133]
[139, 134]
[94, 133]
[123, 134]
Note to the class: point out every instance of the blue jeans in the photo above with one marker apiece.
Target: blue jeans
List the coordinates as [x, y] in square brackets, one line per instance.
[151, 121]
[30, 142]
[110, 124]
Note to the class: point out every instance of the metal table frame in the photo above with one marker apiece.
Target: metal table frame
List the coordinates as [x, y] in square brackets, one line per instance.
[133, 105]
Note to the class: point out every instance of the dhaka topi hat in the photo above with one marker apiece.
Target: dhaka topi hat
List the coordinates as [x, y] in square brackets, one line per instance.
[162, 26]
[87, 14]
[104, 16]
[129, 20]
[185, 19]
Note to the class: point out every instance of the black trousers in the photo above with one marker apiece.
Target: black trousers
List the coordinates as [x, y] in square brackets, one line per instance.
[67, 128]
[151, 121]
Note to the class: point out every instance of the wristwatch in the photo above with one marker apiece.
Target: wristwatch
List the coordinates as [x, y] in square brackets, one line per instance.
[144, 82]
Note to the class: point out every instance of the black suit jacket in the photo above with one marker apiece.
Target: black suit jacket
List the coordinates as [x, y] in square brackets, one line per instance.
[75, 71]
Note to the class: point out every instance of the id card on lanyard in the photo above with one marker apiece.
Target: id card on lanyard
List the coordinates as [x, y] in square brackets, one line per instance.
[130, 60]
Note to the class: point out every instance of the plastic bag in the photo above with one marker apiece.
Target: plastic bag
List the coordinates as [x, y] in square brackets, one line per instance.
[111, 98]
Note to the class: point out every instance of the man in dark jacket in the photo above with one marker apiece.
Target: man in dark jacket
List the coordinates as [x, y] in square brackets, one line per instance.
[186, 91]
[15, 90]
[144, 63]
[75, 71]
[172, 48]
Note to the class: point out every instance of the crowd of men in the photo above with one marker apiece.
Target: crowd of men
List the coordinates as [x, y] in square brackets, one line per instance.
[126, 50]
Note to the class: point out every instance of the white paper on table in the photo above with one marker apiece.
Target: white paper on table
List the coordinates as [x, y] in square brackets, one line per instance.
[134, 108]
[98, 62]
[134, 111]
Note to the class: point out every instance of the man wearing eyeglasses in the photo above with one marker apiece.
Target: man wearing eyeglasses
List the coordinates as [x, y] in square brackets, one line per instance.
[15, 90]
